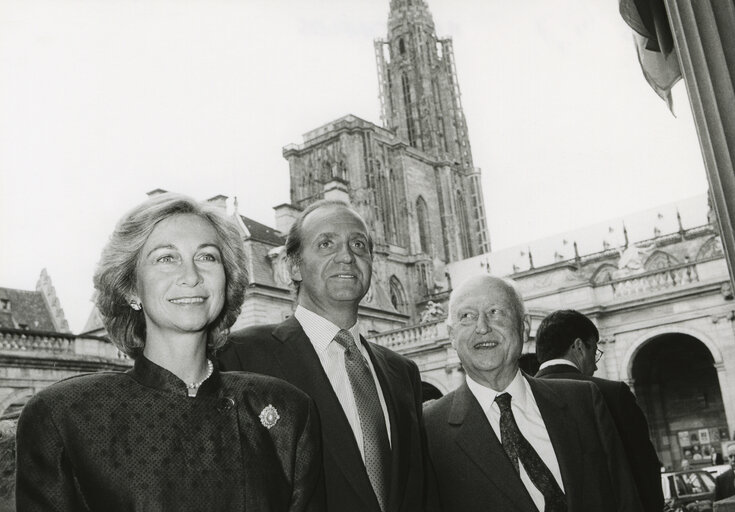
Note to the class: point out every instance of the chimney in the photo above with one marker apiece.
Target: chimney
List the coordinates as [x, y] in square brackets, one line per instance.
[156, 192]
[336, 189]
[286, 215]
[219, 201]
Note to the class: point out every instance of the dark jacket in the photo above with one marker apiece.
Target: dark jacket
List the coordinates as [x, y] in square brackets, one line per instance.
[285, 351]
[135, 441]
[633, 430]
[725, 485]
[471, 472]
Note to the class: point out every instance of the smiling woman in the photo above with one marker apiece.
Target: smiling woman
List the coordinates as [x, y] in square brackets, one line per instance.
[173, 432]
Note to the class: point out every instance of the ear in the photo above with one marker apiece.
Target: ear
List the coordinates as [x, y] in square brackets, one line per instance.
[295, 271]
[450, 333]
[578, 344]
[526, 327]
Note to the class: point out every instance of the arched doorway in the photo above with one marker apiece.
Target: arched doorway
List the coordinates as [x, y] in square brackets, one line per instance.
[429, 392]
[677, 387]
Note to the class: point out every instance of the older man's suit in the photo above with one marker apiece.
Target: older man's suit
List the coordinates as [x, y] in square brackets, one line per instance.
[633, 430]
[285, 351]
[470, 471]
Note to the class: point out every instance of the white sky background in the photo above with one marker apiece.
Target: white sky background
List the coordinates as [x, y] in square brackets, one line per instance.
[101, 102]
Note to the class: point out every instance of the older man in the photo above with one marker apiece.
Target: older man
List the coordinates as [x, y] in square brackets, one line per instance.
[508, 442]
[368, 397]
[566, 347]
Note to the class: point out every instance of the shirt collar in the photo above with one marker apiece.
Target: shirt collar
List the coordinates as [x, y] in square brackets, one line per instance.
[149, 374]
[552, 362]
[319, 330]
[518, 389]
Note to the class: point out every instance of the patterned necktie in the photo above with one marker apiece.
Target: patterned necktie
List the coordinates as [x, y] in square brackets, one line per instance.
[517, 447]
[374, 431]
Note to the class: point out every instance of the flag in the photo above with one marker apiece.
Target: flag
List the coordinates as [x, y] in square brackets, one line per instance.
[654, 44]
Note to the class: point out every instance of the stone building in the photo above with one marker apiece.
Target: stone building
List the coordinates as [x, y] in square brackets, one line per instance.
[655, 283]
[37, 348]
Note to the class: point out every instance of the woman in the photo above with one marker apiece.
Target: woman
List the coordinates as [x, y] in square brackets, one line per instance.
[172, 433]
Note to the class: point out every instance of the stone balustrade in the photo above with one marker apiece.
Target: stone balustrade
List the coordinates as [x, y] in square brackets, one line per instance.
[23, 343]
[16, 340]
[409, 338]
[653, 281]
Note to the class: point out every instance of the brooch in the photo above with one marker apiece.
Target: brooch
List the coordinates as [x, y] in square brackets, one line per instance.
[269, 416]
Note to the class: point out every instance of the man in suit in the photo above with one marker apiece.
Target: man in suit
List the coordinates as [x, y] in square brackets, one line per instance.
[368, 397]
[566, 347]
[509, 442]
[725, 483]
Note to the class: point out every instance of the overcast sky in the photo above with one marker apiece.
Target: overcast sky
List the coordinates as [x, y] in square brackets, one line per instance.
[101, 102]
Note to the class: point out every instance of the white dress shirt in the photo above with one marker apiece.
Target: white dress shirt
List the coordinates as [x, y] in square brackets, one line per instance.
[530, 423]
[321, 333]
[552, 362]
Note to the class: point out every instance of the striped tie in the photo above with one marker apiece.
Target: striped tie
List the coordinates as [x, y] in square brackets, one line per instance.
[374, 432]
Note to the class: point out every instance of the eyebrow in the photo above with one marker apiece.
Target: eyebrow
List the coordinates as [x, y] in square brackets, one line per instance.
[171, 246]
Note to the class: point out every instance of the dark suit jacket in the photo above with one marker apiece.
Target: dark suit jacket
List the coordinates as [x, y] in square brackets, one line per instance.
[134, 441]
[633, 430]
[285, 351]
[725, 485]
[471, 472]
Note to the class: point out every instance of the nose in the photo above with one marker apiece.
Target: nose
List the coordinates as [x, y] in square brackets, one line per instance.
[189, 275]
[483, 326]
[344, 255]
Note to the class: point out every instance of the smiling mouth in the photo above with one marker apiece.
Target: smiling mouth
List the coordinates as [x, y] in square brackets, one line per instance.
[485, 344]
[187, 300]
[345, 276]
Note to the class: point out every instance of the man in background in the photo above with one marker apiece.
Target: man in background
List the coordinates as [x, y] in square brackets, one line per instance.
[566, 347]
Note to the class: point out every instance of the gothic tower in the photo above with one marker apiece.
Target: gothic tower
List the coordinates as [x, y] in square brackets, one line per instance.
[420, 100]
[412, 179]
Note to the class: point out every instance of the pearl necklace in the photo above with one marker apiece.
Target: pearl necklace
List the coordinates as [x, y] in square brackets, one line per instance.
[194, 386]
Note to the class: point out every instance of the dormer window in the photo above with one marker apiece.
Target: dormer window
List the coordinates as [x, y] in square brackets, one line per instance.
[5, 304]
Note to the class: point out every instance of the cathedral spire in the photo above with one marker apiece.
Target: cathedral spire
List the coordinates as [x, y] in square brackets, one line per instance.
[407, 13]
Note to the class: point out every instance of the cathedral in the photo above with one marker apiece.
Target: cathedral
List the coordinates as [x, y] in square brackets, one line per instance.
[655, 283]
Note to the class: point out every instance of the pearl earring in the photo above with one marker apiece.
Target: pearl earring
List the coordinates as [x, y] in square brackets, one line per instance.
[137, 306]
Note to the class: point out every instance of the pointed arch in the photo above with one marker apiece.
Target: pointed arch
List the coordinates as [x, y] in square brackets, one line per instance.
[422, 217]
[397, 295]
[660, 260]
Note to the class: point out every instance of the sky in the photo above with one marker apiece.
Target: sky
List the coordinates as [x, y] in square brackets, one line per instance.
[101, 102]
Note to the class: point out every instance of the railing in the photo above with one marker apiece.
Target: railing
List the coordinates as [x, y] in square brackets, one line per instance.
[35, 342]
[653, 281]
[415, 336]
[49, 344]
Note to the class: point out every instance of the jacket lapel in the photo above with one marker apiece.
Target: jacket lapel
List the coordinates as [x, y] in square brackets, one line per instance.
[478, 441]
[301, 364]
[390, 383]
[564, 436]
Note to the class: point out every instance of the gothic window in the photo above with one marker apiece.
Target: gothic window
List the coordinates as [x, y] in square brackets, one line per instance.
[712, 248]
[408, 108]
[397, 295]
[604, 274]
[401, 46]
[422, 216]
[393, 189]
[464, 235]
[424, 278]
